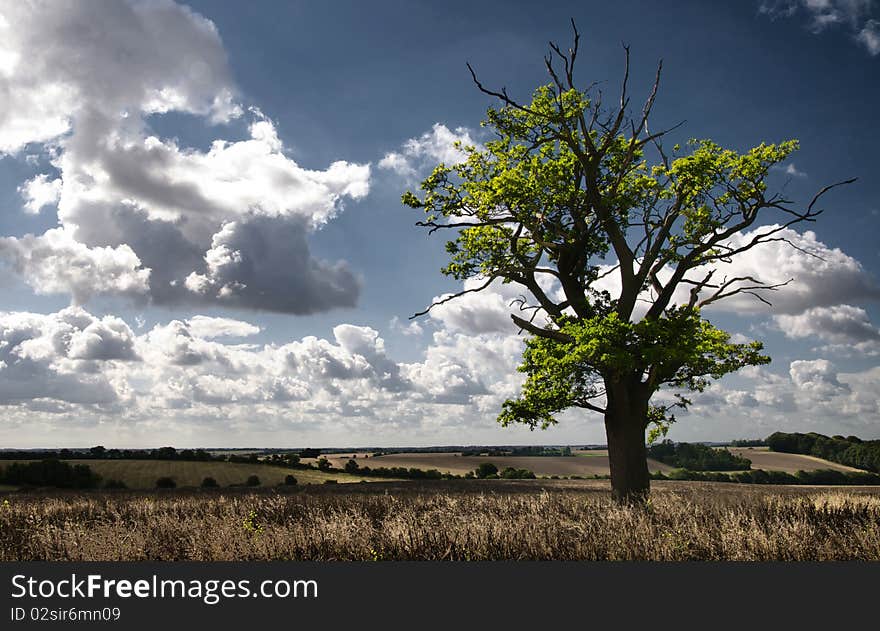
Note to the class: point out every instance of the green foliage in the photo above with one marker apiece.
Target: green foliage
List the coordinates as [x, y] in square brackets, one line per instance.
[681, 350]
[253, 480]
[510, 473]
[165, 482]
[485, 469]
[209, 483]
[49, 472]
[759, 476]
[289, 480]
[850, 451]
[697, 457]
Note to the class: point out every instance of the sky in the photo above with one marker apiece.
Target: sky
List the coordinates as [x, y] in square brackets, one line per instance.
[202, 241]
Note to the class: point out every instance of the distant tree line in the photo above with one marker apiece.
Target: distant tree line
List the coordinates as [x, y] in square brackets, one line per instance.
[697, 457]
[518, 451]
[850, 450]
[759, 476]
[50, 472]
[748, 442]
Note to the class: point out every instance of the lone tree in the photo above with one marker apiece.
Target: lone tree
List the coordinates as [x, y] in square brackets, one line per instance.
[561, 201]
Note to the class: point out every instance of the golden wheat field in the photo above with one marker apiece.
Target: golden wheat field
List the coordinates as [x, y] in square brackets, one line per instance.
[448, 520]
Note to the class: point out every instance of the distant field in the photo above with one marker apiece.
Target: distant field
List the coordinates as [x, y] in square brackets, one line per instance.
[584, 463]
[142, 474]
[763, 458]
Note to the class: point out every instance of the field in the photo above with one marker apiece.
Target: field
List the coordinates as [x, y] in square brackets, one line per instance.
[586, 463]
[142, 474]
[762, 458]
[446, 520]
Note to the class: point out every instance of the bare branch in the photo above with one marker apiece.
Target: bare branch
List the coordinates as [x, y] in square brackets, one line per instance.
[446, 299]
[559, 336]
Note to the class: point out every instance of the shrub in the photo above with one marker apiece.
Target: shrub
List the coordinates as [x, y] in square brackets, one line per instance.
[165, 482]
[485, 469]
[253, 480]
[209, 483]
[289, 480]
[330, 481]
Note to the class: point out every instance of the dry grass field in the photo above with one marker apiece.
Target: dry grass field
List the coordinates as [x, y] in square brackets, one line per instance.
[448, 520]
[142, 474]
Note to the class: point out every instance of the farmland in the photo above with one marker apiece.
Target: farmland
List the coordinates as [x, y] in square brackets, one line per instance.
[767, 460]
[142, 474]
[584, 463]
[446, 520]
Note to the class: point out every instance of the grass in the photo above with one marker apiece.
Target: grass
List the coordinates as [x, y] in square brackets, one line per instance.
[142, 474]
[447, 521]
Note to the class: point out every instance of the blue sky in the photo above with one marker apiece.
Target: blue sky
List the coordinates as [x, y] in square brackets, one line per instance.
[202, 243]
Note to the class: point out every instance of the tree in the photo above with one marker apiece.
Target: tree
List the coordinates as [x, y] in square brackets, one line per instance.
[570, 194]
[165, 482]
[485, 469]
[253, 480]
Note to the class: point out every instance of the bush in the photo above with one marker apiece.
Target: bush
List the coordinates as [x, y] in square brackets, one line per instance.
[330, 481]
[253, 480]
[697, 457]
[485, 469]
[289, 480]
[165, 482]
[209, 483]
[517, 474]
[351, 467]
[115, 484]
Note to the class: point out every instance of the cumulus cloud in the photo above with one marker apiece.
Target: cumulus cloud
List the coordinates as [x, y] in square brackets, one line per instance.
[249, 264]
[40, 191]
[858, 16]
[441, 144]
[174, 210]
[846, 327]
[815, 275]
[57, 357]
[818, 377]
[869, 37]
[55, 262]
[209, 327]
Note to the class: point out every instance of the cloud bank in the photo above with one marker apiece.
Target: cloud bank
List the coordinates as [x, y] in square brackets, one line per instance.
[142, 215]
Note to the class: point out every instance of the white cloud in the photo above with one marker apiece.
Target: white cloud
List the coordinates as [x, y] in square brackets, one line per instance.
[417, 155]
[856, 15]
[869, 37]
[55, 263]
[40, 191]
[123, 188]
[846, 327]
[58, 357]
[818, 377]
[209, 327]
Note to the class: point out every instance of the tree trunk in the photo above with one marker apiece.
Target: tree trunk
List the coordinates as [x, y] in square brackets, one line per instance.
[625, 424]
